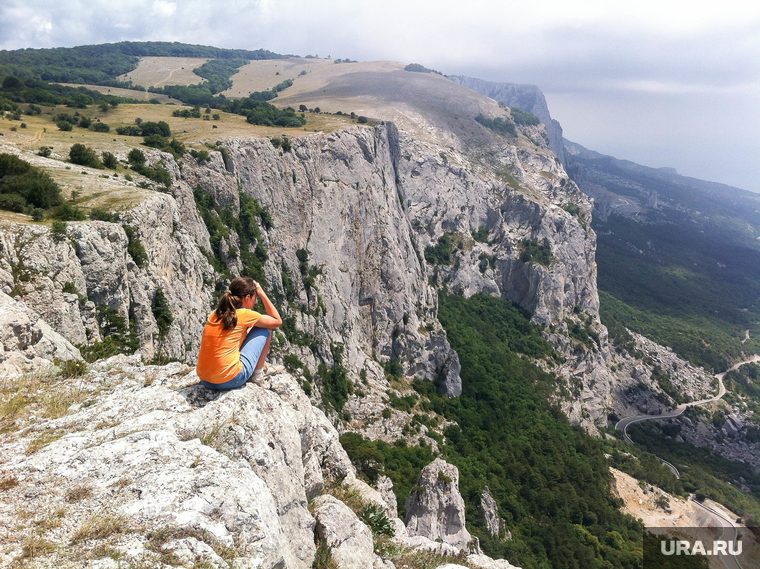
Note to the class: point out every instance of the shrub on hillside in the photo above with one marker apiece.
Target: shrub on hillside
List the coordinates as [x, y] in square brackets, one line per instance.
[68, 212]
[524, 118]
[155, 141]
[498, 125]
[109, 160]
[84, 156]
[161, 128]
[136, 156]
[23, 185]
[416, 67]
[102, 215]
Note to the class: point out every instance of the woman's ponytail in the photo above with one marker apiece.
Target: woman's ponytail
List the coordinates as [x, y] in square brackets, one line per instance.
[226, 308]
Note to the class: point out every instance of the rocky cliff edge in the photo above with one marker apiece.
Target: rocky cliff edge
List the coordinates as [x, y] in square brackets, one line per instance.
[135, 464]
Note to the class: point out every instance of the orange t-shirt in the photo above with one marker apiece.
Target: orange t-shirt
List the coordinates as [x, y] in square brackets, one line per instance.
[219, 358]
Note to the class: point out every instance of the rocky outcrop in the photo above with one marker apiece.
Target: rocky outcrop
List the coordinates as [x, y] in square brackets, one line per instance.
[149, 466]
[354, 215]
[68, 279]
[488, 512]
[335, 196]
[730, 439]
[435, 508]
[384, 486]
[27, 343]
[160, 452]
[347, 539]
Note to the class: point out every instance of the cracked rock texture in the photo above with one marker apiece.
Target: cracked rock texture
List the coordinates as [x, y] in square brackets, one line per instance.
[94, 265]
[348, 539]
[147, 462]
[27, 342]
[488, 512]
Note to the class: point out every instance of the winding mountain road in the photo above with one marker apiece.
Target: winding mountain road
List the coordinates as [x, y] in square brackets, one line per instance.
[730, 534]
[730, 531]
[623, 424]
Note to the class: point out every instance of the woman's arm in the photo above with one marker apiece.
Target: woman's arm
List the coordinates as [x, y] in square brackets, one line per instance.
[271, 319]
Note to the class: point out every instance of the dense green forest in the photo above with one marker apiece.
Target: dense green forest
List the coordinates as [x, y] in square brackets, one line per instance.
[550, 479]
[682, 286]
[39, 92]
[685, 272]
[102, 64]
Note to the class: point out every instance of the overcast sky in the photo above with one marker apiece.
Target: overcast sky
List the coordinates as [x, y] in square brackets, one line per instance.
[662, 83]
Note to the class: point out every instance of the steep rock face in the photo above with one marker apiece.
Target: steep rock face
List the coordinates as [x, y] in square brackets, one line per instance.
[449, 196]
[27, 342]
[488, 512]
[435, 510]
[335, 196]
[93, 264]
[364, 204]
[526, 97]
[385, 488]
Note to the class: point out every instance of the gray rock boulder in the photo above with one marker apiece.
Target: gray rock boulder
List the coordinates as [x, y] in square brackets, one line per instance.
[348, 540]
[384, 485]
[488, 512]
[435, 510]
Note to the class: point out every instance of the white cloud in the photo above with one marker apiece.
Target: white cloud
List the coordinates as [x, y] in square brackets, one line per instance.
[164, 8]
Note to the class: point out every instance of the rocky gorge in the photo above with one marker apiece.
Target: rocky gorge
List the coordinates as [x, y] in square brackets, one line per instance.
[356, 233]
[366, 206]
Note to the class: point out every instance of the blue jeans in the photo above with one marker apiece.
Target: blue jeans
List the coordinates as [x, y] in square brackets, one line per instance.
[250, 352]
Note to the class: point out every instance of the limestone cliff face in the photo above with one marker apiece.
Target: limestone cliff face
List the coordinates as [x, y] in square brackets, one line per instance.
[336, 197]
[366, 205]
[92, 264]
[27, 342]
[444, 193]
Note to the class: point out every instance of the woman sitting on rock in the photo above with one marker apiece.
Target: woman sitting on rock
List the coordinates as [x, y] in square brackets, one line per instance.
[236, 339]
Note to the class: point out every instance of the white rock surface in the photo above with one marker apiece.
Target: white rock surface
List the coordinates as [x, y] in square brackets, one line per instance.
[485, 562]
[166, 453]
[488, 511]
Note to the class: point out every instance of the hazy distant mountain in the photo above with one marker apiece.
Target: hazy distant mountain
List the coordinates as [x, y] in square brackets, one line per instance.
[526, 97]
[656, 194]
